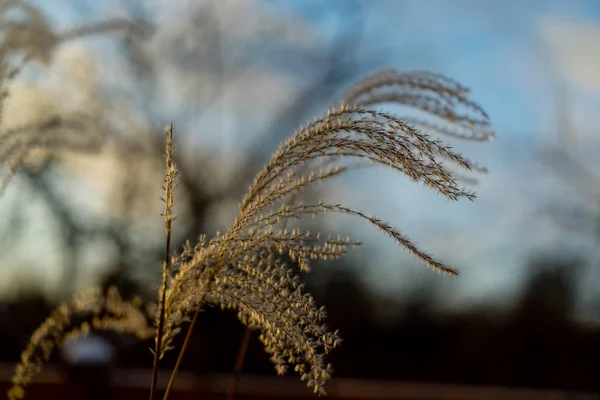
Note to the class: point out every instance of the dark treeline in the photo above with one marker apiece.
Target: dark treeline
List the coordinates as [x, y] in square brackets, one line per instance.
[534, 344]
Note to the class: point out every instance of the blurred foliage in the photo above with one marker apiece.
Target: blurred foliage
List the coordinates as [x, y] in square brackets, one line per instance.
[535, 342]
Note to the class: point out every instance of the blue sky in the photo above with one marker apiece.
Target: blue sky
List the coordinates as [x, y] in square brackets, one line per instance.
[513, 54]
[509, 54]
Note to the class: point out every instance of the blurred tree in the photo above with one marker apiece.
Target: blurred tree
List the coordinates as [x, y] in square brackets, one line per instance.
[210, 65]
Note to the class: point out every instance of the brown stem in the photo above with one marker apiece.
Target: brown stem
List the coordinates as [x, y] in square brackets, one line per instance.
[181, 353]
[239, 363]
[241, 357]
[167, 262]
[161, 323]
[188, 336]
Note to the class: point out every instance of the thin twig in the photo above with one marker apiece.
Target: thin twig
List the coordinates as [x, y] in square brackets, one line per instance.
[239, 364]
[181, 353]
[188, 335]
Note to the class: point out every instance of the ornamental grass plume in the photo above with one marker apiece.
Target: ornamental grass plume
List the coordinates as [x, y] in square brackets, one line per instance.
[247, 267]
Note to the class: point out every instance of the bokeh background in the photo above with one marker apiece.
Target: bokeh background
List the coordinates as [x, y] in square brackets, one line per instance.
[237, 77]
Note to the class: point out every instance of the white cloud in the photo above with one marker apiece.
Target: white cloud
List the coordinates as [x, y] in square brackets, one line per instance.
[574, 46]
